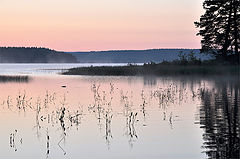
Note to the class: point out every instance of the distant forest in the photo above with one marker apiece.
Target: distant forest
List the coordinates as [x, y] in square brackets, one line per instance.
[135, 56]
[45, 55]
[34, 55]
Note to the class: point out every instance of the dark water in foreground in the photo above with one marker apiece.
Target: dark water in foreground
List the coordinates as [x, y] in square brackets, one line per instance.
[120, 117]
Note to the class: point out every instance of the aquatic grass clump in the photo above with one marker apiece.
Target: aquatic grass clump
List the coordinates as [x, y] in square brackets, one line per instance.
[10, 78]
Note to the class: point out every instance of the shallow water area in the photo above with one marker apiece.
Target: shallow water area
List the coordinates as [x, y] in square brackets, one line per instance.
[46, 69]
[55, 116]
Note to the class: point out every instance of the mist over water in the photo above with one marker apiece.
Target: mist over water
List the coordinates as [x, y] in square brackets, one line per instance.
[47, 69]
[54, 116]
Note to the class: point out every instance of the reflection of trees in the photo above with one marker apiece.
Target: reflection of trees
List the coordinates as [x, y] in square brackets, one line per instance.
[152, 81]
[16, 79]
[219, 117]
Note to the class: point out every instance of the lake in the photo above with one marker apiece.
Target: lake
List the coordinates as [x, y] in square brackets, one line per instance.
[55, 116]
[47, 69]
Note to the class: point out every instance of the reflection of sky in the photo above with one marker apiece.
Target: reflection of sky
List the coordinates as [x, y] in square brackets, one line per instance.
[46, 69]
[157, 139]
[72, 25]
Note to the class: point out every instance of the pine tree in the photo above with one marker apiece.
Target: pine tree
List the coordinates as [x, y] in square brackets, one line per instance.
[220, 27]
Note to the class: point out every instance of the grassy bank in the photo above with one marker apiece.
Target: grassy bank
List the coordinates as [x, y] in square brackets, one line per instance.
[155, 69]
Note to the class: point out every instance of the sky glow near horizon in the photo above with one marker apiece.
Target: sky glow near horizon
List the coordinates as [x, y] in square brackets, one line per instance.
[83, 25]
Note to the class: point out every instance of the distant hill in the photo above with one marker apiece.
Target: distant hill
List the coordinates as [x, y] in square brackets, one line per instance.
[134, 56]
[34, 55]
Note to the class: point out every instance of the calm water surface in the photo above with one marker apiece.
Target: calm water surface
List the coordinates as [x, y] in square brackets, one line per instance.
[46, 69]
[120, 117]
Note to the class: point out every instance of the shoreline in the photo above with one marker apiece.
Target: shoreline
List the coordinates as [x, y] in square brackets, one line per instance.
[155, 70]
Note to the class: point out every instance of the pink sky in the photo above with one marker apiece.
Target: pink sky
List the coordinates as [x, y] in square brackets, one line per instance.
[78, 25]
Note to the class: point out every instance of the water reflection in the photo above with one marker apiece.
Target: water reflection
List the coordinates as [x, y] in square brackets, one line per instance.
[152, 81]
[219, 117]
[18, 79]
[112, 115]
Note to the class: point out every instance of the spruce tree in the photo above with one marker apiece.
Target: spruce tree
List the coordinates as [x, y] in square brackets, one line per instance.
[220, 28]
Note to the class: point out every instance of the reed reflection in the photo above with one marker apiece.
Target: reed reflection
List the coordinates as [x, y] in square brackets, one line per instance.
[109, 107]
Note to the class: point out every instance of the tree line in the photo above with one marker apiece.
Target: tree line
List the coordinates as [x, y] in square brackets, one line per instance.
[220, 29]
[34, 55]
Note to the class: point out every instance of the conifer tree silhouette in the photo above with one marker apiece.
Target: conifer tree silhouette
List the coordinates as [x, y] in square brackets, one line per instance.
[220, 28]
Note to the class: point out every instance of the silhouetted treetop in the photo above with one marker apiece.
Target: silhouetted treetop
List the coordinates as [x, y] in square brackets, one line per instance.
[220, 27]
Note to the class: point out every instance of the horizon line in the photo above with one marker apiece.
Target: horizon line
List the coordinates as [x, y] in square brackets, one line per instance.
[163, 48]
[135, 49]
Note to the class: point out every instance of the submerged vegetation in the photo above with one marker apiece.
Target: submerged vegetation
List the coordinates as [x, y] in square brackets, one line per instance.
[118, 111]
[51, 112]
